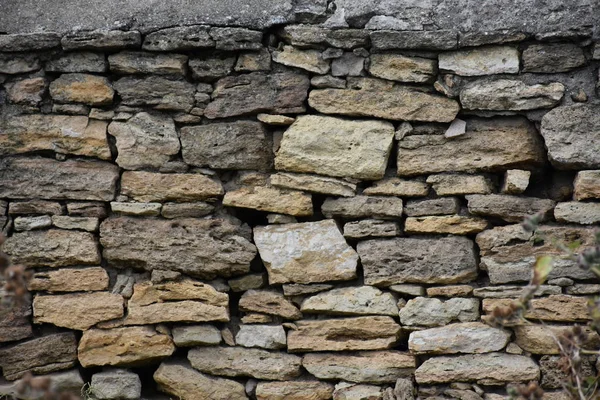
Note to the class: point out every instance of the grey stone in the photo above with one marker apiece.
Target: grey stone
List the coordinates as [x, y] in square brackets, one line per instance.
[26, 91]
[408, 289]
[183, 210]
[15, 322]
[101, 40]
[578, 213]
[422, 40]
[509, 208]
[270, 337]
[515, 181]
[441, 206]
[178, 38]
[139, 209]
[29, 41]
[297, 289]
[34, 207]
[481, 61]
[510, 94]
[196, 335]
[417, 260]
[371, 228]
[480, 38]
[553, 373]
[459, 184]
[254, 61]
[236, 38]
[363, 300]
[424, 311]
[348, 64]
[458, 127]
[314, 36]
[552, 57]
[18, 64]
[247, 282]
[587, 185]
[140, 62]
[327, 81]
[117, 384]
[157, 92]
[378, 207]
[84, 61]
[211, 68]
[31, 223]
[89, 224]
[468, 337]
[504, 292]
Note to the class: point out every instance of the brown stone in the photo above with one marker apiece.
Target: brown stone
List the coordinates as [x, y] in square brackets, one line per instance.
[556, 307]
[270, 199]
[34, 207]
[151, 186]
[400, 68]
[268, 302]
[70, 280]
[587, 185]
[542, 339]
[451, 224]
[313, 183]
[15, 320]
[294, 390]
[450, 291]
[26, 91]
[82, 88]
[158, 92]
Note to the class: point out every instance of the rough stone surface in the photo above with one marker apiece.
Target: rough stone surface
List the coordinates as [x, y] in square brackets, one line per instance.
[363, 206]
[294, 390]
[451, 224]
[116, 384]
[364, 300]
[541, 339]
[417, 260]
[160, 93]
[211, 68]
[31, 223]
[440, 206]
[397, 187]
[82, 88]
[151, 186]
[313, 183]
[396, 67]
[262, 336]
[26, 91]
[509, 94]
[268, 302]
[196, 335]
[70, 280]
[459, 184]
[178, 38]
[428, 40]
[515, 181]
[552, 57]
[309, 60]
[481, 61]
[100, 39]
[137, 62]
[578, 213]
[555, 307]
[468, 337]
[371, 228]
[424, 311]
[270, 199]
[308, 252]
[508, 208]
[587, 185]
[184, 210]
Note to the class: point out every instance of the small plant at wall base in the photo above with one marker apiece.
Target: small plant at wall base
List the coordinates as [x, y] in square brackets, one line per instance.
[571, 341]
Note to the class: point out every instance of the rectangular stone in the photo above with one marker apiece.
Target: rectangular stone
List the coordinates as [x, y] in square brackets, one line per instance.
[70, 280]
[398, 187]
[84, 61]
[270, 199]
[101, 40]
[447, 224]
[15, 321]
[587, 185]
[34, 207]
[139, 62]
[139, 209]
[313, 183]
[557, 307]
[578, 213]
[315, 36]
[87, 209]
[160, 93]
[378, 207]
[371, 228]
[509, 208]
[89, 224]
[415, 40]
[442, 206]
[400, 68]
[156, 187]
[460, 184]
[178, 38]
[29, 41]
[479, 61]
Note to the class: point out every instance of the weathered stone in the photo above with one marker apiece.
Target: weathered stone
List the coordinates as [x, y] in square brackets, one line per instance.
[556, 307]
[348, 64]
[270, 199]
[240, 361]
[89, 224]
[184, 210]
[29, 41]
[13, 64]
[197, 247]
[196, 335]
[123, 346]
[40, 355]
[145, 141]
[488, 145]
[60, 133]
[421, 40]
[297, 289]
[481, 61]
[268, 302]
[294, 390]
[26, 91]
[552, 57]
[587, 185]
[157, 92]
[247, 282]
[554, 374]
[364, 300]
[116, 384]
[181, 301]
[151, 186]
[468, 337]
[254, 61]
[309, 60]
[370, 97]
[101, 40]
[583, 288]
[314, 36]
[458, 127]
[87, 209]
[15, 320]
[508, 252]
[254, 318]
[326, 81]
[361, 333]
[70, 109]
[492, 368]
[508, 208]
[178, 38]
[356, 149]
[186, 383]
[371, 228]
[363, 367]
[400, 68]
[78, 62]
[31, 223]
[363, 206]
[82, 88]
[263, 336]
[515, 181]
[236, 38]
[424, 311]
[397, 187]
[70, 280]
[283, 92]
[459, 184]
[77, 311]
[542, 339]
[309, 252]
[52, 248]
[408, 289]
[346, 391]
[314, 183]
[138, 209]
[510, 94]
[34, 207]
[449, 224]
[211, 68]
[417, 260]
[227, 145]
[450, 291]
[441, 206]
[275, 119]
[578, 213]
[571, 134]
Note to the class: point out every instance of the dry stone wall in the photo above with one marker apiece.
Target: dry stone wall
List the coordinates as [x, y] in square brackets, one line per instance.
[307, 211]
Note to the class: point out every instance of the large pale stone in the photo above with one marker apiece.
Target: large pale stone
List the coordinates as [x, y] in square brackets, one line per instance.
[587, 185]
[363, 367]
[31, 223]
[309, 60]
[77, 311]
[263, 336]
[556, 307]
[313, 183]
[578, 213]
[370, 97]
[397, 67]
[305, 253]
[552, 57]
[197, 247]
[397, 187]
[157, 92]
[363, 300]
[508, 252]
[361, 333]
[509, 208]
[363, 206]
[40, 355]
[268, 302]
[240, 361]
[449, 224]
[481, 61]
[488, 145]
[52, 248]
[542, 339]
[139, 62]
[227, 145]
[145, 141]
[82, 88]
[572, 136]
[185, 383]
[355, 149]
[294, 390]
[44, 178]
[70, 280]
[270, 199]
[425, 311]
[151, 186]
[492, 368]
[459, 184]
[138, 209]
[283, 92]
[468, 337]
[510, 94]
[128, 346]
[418, 260]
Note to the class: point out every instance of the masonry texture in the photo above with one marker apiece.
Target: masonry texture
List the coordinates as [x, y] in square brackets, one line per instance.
[295, 200]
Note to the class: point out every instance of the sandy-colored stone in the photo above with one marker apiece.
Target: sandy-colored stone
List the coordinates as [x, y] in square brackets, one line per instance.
[138, 209]
[70, 280]
[450, 291]
[557, 307]
[459, 184]
[481, 61]
[587, 185]
[129, 346]
[360, 333]
[370, 97]
[510, 94]
[270, 199]
[363, 300]
[268, 302]
[346, 391]
[363, 367]
[396, 67]
[82, 88]
[308, 252]
[449, 224]
[275, 119]
[509, 208]
[426, 311]
[355, 149]
[515, 181]
[152, 186]
[468, 337]
[185, 210]
[309, 60]
[294, 390]
[578, 213]
[89, 224]
[26, 91]
[428, 207]
[313, 183]
[34, 207]
[542, 339]
[397, 187]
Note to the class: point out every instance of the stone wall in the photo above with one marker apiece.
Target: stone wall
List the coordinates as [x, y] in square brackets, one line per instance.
[299, 212]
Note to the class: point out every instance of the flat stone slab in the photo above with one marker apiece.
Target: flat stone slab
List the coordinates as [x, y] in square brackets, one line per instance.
[469, 337]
